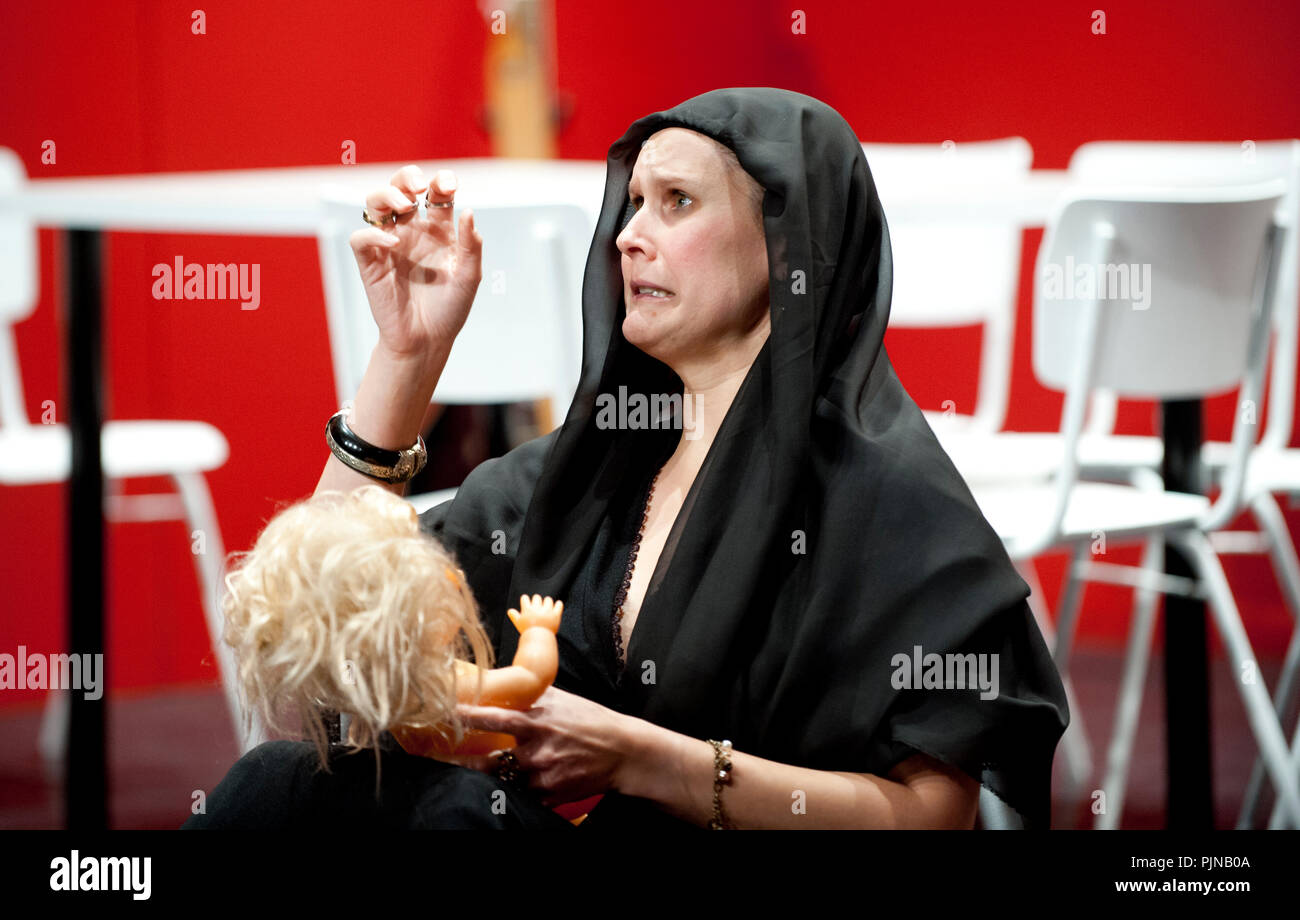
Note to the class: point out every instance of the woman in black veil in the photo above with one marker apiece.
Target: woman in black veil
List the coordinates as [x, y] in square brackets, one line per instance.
[789, 562]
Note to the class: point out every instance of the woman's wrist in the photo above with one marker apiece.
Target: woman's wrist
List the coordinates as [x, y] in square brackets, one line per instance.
[416, 361]
[642, 749]
[394, 395]
[660, 764]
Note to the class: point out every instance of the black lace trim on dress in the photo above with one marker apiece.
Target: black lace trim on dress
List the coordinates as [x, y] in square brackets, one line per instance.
[621, 596]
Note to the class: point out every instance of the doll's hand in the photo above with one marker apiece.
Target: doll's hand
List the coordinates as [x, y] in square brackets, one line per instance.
[536, 611]
[569, 747]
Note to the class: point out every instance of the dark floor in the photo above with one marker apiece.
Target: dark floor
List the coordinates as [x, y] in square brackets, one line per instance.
[1096, 677]
[166, 746]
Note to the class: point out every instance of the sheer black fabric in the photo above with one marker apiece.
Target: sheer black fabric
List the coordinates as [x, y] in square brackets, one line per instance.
[589, 664]
[827, 532]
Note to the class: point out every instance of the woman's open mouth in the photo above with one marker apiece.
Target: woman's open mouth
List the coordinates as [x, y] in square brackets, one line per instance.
[646, 293]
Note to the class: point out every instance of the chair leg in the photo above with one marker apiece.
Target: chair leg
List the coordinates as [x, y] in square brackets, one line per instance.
[1067, 612]
[1275, 821]
[1281, 549]
[52, 738]
[1259, 708]
[996, 815]
[1078, 753]
[1287, 568]
[1136, 658]
[201, 518]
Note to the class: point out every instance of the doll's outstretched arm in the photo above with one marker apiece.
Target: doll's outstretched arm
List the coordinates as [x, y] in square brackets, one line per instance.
[535, 663]
[517, 686]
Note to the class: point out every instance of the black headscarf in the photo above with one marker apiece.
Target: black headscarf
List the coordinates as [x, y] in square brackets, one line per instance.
[826, 533]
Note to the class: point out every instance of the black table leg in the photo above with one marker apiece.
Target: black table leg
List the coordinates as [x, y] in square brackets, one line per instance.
[1190, 802]
[86, 777]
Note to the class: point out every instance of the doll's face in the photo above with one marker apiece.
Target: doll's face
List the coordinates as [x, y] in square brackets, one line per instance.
[697, 235]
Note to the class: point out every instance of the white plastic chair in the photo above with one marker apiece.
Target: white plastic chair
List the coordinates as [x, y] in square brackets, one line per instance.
[523, 338]
[979, 261]
[1274, 465]
[1214, 256]
[42, 453]
[1015, 455]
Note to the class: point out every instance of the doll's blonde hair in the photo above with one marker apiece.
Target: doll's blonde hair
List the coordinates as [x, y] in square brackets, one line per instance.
[344, 604]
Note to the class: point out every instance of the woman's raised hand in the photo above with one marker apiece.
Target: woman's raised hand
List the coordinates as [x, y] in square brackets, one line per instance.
[421, 273]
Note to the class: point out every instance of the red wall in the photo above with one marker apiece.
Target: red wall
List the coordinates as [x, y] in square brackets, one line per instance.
[125, 87]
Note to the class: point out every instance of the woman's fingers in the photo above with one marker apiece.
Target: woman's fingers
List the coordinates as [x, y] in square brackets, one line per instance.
[410, 179]
[382, 202]
[442, 190]
[496, 719]
[443, 187]
[367, 240]
[403, 197]
[470, 240]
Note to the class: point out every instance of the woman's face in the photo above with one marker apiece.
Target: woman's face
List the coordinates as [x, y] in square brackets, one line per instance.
[698, 237]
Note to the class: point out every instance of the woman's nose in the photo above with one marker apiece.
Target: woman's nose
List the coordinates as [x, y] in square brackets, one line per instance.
[634, 238]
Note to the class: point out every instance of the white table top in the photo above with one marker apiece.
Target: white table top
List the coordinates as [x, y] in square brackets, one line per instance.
[286, 201]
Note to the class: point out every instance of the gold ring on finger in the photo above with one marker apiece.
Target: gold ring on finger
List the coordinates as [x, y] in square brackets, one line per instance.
[365, 215]
[399, 218]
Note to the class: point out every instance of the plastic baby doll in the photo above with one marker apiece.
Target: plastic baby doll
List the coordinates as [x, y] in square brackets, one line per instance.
[343, 604]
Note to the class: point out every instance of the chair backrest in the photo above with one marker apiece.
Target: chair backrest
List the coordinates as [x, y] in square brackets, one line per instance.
[18, 284]
[1157, 294]
[523, 338]
[961, 273]
[1122, 164]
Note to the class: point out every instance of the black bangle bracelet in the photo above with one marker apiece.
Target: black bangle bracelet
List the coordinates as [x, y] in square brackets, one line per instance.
[392, 466]
[347, 439]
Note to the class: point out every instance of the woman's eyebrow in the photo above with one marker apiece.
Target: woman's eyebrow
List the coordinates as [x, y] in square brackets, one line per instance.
[664, 179]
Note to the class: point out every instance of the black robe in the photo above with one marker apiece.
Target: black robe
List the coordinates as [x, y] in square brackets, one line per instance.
[827, 546]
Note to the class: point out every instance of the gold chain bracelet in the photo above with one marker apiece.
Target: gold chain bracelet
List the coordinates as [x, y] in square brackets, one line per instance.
[721, 777]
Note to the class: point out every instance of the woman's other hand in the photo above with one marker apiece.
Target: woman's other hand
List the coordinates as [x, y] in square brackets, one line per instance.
[420, 274]
[569, 747]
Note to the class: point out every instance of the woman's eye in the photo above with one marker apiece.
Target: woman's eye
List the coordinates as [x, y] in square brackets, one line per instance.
[677, 198]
